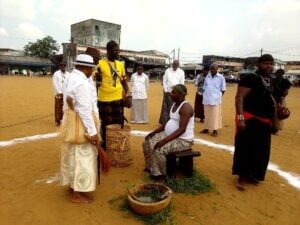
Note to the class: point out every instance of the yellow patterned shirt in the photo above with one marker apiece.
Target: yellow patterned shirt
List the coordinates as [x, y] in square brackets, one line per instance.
[111, 89]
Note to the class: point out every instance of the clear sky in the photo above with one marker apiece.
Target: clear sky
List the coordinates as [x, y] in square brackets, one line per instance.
[198, 27]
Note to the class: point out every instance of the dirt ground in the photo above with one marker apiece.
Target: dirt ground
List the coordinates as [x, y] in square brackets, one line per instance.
[26, 109]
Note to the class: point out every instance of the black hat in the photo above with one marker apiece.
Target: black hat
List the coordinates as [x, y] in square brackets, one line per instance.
[206, 67]
[265, 58]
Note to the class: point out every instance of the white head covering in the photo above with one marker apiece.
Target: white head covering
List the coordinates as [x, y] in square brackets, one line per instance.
[84, 60]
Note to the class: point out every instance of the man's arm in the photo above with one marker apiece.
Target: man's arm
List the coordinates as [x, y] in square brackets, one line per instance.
[165, 81]
[223, 88]
[124, 80]
[242, 92]
[147, 82]
[182, 78]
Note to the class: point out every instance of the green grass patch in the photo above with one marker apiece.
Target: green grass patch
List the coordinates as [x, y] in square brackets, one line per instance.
[195, 184]
[163, 217]
[198, 183]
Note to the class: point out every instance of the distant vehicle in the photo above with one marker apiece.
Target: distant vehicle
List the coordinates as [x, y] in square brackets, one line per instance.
[231, 79]
[292, 78]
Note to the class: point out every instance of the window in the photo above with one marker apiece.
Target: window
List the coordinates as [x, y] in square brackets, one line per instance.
[97, 28]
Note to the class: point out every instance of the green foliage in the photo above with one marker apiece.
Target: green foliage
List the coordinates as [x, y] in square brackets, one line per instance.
[43, 48]
[162, 217]
[197, 183]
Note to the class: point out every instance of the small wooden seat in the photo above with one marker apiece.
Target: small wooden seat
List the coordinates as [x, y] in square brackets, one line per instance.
[185, 162]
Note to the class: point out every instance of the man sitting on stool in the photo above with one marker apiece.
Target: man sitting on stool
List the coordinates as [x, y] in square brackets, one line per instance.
[176, 135]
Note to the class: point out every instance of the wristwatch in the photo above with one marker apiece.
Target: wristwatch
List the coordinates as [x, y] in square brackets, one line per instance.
[240, 117]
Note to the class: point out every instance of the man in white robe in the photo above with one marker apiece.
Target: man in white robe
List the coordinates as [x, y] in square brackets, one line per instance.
[139, 86]
[78, 167]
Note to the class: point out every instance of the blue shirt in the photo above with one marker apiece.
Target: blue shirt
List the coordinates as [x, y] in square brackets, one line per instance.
[213, 88]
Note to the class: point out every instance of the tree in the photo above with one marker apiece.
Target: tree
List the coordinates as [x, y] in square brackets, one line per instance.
[44, 48]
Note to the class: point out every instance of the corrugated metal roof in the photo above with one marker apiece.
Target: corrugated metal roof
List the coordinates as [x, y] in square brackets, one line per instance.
[295, 72]
[191, 67]
[25, 61]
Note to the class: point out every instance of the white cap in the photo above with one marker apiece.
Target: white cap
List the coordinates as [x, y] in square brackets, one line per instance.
[84, 60]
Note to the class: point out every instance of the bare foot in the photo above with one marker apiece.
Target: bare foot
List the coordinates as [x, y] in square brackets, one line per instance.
[253, 181]
[86, 195]
[241, 184]
[79, 197]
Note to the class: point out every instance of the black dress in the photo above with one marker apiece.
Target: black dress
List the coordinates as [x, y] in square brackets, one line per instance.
[252, 145]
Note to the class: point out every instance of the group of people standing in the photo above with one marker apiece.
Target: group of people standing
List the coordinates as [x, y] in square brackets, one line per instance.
[95, 89]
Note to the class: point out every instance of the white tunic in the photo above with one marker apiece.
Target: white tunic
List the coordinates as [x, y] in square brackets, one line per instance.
[172, 77]
[213, 87]
[58, 81]
[83, 92]
[173, 124]
[139, 86]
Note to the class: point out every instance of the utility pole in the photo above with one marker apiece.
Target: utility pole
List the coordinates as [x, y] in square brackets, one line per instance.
[173, 51]
[261, 51]
[178, 53]
[174, 54]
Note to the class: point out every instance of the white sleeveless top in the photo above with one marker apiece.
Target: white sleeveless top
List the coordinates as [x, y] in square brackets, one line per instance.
[173, 124]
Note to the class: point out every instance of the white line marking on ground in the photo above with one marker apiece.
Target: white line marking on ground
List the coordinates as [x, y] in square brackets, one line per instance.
[292, 178]
[27, 139]
[48, 180]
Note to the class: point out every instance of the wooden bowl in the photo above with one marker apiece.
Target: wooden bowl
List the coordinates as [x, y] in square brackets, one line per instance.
[148, 208]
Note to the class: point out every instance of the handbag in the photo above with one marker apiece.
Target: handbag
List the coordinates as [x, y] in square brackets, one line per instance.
[74, 131]
[276, 125]
[283, 112]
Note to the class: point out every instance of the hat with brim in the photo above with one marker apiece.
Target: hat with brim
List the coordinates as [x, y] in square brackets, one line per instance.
[84, 60]
[94, 52]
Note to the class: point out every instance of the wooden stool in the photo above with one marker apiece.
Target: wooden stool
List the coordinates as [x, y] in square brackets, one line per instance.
[185, 164]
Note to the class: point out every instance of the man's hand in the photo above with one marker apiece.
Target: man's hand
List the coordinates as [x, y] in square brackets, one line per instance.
[241, 125]
[94, 140]
[159, 144]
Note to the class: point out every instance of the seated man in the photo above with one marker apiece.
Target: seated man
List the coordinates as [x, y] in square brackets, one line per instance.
[174, 136]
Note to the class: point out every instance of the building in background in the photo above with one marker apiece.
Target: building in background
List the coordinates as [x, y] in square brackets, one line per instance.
[150, 60]
[250, 63]
[11, 52]
[95, 33]
[225, 63]
[14, 62]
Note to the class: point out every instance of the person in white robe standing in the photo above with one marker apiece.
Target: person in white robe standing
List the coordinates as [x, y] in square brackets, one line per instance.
[139, 84]
[214, 88]
[59, 79]
[78, 167]
[172, 76]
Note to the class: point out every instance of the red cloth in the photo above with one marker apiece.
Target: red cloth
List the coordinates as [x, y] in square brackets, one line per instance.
[248, 116]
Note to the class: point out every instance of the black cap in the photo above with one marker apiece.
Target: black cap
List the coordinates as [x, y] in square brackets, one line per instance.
[206, 67]
[265, 58]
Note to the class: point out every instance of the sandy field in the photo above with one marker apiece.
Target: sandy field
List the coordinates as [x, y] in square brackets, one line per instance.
[31, 195]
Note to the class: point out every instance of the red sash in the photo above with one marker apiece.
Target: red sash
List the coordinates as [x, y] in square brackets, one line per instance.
[248, 116]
